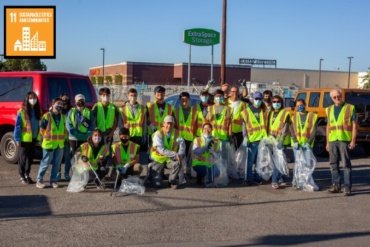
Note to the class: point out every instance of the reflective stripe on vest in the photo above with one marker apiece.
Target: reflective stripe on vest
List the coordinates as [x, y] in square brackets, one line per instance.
[26, 135]
[105, 121]
[54, 136]
[134, 123]
[186, 127]
[340, 129]
[154, 116]
[86, 150]
[85, 113]
[220, 126]
[200, 120]
[237, 120]
[169, 145]
[277, 125]
[304, 134]
[122, 157]
[256, 130]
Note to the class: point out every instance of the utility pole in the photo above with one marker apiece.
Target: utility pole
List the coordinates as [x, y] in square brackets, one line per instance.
[223, 42]
[349, 70]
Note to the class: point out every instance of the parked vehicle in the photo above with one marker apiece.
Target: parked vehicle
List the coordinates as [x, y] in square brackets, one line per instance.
[47, 85]
[174, 100]
[317, 99]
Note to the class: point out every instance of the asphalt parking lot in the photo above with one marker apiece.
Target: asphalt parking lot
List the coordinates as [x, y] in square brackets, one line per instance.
[192, 216]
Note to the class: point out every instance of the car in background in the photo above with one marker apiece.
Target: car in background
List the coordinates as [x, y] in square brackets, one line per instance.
[47, 85]
[174, 100]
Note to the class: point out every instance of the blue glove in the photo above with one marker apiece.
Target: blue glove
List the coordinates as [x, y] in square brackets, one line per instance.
[296, 145]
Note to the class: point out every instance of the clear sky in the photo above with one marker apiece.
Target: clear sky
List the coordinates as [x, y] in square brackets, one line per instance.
[297, 33]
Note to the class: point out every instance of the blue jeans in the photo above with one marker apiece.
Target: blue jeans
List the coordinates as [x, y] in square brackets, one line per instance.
[252, 150]
[53, 157]
[67, 154]
[210, 172]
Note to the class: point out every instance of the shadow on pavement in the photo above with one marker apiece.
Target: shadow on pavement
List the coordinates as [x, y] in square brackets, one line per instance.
[24, 206]
[277, 240]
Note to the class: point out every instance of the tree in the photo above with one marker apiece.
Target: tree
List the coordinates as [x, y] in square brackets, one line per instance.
[366, 80]
[23, 65]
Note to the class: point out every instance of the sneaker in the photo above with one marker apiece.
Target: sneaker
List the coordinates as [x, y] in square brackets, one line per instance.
[67, 178]
[334, 189]
[347, 191]
[23, 181]
[54, 185]
[40, 185]
[275, 186]
[29, 180]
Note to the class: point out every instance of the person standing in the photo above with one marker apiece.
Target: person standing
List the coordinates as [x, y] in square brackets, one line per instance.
[80, 124]
[341, 133]
[267, 103]
[255, 120]
[66, 101]
[26, 132]
[53, 132]
[202, 111]
[237, 107]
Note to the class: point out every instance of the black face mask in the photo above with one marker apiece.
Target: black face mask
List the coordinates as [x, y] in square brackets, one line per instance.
[124, 141]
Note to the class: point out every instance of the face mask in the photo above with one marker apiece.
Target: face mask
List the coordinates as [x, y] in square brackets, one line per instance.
[124, 140]
[32, 101]
[301, 108]
[96, 139]
[257, 103]
[59, 108]
[204, 99]
[276, 106]
[219, 100]
[104, 99]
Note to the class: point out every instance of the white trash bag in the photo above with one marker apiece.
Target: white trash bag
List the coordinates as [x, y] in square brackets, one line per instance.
[280, 160]
[305, 163]
[80, 176]
[237, 163]
[132, 185]
[264, 164]
[222, 180]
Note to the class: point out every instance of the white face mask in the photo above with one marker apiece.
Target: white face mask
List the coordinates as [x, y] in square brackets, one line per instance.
[32, 101]
[104, 99]
[96, 139]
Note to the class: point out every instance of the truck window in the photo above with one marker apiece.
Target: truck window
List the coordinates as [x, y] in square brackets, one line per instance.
[56, 87]
[14, 88]
[81, 86]
[302, 96]
[314, 99]
[327, 100]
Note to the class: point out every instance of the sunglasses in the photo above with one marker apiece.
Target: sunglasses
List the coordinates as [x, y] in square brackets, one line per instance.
[257, 99]
[275, 101]
[337, 96]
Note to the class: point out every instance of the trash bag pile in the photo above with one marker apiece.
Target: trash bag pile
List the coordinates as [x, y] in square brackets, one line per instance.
[80, 176]
[132, 185]
[305, 163]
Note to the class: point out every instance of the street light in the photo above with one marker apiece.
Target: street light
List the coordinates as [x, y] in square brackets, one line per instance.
[321, 59]
[349, 70]
[103, 49]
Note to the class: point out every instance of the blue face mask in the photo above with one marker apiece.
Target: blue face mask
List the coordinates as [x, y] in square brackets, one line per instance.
[204, 99]
[301, 108]
[219, 100]
[257, 103]
[276, 106]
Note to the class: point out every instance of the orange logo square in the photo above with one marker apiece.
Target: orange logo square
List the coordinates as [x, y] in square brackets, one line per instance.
[29, 31]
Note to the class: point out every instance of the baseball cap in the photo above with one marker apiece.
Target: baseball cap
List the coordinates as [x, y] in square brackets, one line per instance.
[168, 119]
[257, 95]
[79, 97]
[159, 89]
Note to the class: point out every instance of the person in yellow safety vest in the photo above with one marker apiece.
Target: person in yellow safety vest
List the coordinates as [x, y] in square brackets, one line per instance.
[125, 156]
[53, 132]
[186, 117]
[237, 106]
[157, 110]
[341, 133]
[133, 117]
[219, 115]
[106, 115]
[98, 155]
[167, 151]
[203, 148]
[202, 111]
[26, 132]
[278, 127]
[255, 119]
[302, 130]
[267, 104]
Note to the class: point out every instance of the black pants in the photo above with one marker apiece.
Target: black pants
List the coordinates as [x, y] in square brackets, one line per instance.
[237, 139]
[75, 145]
[140, 141]
[26, 151]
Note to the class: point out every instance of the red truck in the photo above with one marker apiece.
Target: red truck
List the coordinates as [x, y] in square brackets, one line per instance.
[47, 85]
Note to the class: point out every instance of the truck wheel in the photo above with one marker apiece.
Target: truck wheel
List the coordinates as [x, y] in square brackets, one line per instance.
[319, 148]
[9, 149]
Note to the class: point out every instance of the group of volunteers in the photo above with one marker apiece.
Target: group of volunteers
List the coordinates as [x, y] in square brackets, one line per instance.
[184, 140]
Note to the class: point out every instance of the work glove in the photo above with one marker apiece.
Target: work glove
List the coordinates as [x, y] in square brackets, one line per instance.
[245, 142]
[280, 145]
[296, 145]
[180, 140]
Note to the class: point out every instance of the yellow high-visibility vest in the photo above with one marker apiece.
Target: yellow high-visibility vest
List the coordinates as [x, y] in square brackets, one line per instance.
[168, 144]
[340, 129]
[304, 134]
[256, 129]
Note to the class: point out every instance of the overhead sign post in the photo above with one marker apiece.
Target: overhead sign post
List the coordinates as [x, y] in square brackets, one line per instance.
[201, 37]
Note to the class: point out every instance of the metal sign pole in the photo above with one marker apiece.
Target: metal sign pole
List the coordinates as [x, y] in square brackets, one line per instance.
[189, 67]
[212, 64]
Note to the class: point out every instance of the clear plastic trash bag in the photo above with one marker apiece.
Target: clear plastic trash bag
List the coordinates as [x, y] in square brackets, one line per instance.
[132, 185]
[80, 176]
[265, 164]
[237, 163]
[305, 163]
[280, 161]
[222, 179]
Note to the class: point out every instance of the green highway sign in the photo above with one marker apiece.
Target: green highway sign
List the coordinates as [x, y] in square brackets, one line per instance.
[201, 37]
